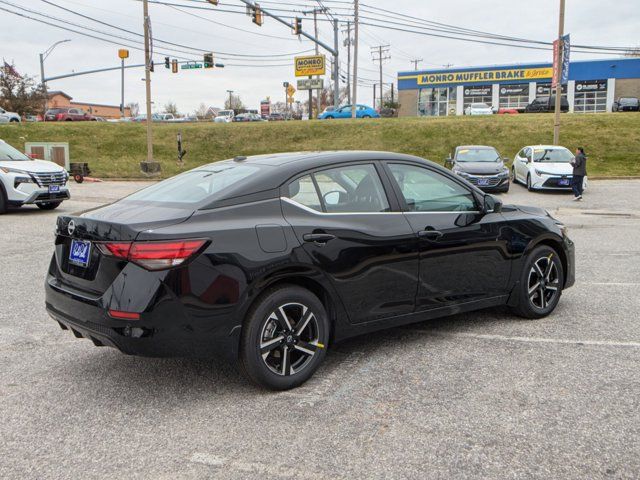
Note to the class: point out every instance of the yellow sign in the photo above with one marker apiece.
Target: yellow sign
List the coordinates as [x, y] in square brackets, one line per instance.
[291, 90]
[309, 65]
[481, 76]
[123, 53]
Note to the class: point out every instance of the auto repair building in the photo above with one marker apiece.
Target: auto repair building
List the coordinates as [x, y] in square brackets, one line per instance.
[593, 86]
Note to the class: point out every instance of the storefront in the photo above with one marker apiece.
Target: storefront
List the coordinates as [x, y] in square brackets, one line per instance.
[593, 86]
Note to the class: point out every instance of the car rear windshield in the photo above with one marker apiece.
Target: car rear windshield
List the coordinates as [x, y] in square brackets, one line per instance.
[477, 155]
[57, 110]
[7, 152]
[196, 187]
[552, 155]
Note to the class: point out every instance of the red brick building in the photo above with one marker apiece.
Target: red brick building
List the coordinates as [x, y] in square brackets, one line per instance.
[59, 99]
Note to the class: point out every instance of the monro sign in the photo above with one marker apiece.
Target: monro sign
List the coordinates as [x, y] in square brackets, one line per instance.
[309, 65]
[481, 76]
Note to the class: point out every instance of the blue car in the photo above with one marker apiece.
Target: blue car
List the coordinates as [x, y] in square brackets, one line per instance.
[362, 111]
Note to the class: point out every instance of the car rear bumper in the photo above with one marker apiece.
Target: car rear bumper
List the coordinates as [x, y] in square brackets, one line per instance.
[165, 329]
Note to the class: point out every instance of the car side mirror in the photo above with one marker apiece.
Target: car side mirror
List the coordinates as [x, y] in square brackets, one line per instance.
[492, 204]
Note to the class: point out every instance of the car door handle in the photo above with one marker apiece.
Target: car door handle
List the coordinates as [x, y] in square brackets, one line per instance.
[318, 237]
[430, 234]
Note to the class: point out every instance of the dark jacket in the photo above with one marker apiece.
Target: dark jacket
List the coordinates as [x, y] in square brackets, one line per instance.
[580, 165]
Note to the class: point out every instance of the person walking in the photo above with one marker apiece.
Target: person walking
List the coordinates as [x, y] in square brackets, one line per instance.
[579, 164]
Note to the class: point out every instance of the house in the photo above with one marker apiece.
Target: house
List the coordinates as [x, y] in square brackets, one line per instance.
[59, 99]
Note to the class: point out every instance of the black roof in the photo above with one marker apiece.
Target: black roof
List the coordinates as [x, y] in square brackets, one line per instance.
[277, 168]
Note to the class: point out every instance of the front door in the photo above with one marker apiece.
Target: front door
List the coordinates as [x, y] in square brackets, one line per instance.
[521, 162]
[343, 218]
[463, 256]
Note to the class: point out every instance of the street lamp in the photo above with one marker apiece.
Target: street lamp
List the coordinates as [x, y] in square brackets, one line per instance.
[43, 57]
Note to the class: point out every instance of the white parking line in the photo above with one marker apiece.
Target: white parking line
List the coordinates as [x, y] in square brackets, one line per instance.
[505, 338]
[615, 284]
[271, 470]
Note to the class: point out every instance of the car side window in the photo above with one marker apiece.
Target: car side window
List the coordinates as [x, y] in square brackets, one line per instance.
[427, 191]
[352, 189]
[303, 191]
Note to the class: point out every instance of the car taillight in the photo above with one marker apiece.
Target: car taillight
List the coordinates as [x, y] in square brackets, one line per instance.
[153, 255]
[59, 116]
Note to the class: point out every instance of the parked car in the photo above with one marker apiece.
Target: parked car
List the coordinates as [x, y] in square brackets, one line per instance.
[626, 104]
[478, 109]
[269, 260]
[166, 117]
[362, 111]
[67, 115]
[224, 116]
[547, 104]
[481, 166]
[247, 117]
[32, 118]
[25, 181]
[276, 117]
[10, 116]
[155, 117]
[544, 167]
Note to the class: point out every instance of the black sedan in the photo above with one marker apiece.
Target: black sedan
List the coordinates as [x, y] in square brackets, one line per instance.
[269, 260]
[481, 166]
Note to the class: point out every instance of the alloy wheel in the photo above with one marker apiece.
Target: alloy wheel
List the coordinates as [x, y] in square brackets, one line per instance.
[544, 282]
[289, 339]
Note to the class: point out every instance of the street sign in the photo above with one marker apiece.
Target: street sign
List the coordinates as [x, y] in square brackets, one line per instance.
[123, 53]
[291, 90]
[285, 84]
[190, 66]
[311, 84]
[309, 65]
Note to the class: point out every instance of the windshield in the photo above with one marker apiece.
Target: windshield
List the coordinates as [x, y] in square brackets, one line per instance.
[477, 155]
[479, 105]
[196, 186]
[7, 152]
[225, 113]
[552, 155]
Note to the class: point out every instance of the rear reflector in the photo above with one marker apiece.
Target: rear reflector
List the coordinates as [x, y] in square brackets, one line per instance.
[153, 255]
[124, 315]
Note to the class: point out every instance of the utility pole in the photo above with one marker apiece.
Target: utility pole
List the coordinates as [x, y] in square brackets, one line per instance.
[230, 92]
[336, 64]
[150, 166]
[347, 43]
[415, 63]
[374, 95]
[355, 57]
[558, 66]
[318, 96]
[382, 52]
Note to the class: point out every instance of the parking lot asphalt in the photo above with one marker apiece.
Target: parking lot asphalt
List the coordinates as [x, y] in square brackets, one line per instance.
[478, 395]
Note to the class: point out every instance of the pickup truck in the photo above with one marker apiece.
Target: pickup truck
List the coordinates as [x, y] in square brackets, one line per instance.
[546, 105]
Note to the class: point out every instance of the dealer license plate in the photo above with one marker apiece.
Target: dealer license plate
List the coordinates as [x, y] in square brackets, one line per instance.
[563, 182]
[54, 188]
[80, 252]
[483, 182]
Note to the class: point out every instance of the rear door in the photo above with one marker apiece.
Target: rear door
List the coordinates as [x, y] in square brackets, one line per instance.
[463, 256]
[345, 220]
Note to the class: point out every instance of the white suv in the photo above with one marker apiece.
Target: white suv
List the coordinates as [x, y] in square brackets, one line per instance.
[8, 116]
[26, 181]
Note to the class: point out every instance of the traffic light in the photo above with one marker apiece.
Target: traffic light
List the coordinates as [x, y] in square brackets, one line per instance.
[174, 66]
[256, 15]
[167, 63]
[297, 26]
[151, 66]
[208, 60]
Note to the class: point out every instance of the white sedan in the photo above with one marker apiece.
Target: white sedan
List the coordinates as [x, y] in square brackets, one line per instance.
[478, 109]
[544, 167]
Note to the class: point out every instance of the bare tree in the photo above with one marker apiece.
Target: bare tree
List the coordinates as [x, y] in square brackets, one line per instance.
[233, 103]
[134, 108]
[20, 93]
[171, 107]
[202, 110]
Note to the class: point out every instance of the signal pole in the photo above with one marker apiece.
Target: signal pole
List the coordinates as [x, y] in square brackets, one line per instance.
[382, 52]
[355, 58]
[347, 43]
[558, 66]
[149, 166]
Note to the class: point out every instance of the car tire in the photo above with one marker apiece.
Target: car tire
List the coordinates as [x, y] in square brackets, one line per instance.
[68, 120]
[514, 179]
[366, 116]
[529, 186]
[3, 201]
[48, 205]
[542, 262]
[273, 354]
[14, 120]
[329, 117]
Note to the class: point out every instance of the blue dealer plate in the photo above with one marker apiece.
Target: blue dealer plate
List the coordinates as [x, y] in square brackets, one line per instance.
[563, 182]
[54, 188]
[483, 182]
[80, 252]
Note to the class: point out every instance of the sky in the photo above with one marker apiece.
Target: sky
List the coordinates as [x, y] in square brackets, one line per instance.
[231, 35]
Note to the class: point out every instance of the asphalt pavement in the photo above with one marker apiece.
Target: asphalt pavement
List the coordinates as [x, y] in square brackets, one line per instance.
[479, 395]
